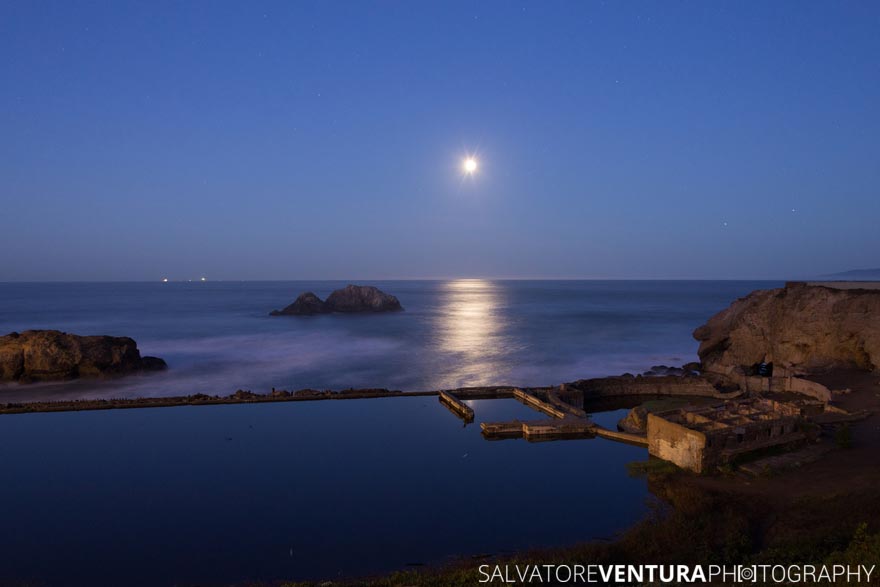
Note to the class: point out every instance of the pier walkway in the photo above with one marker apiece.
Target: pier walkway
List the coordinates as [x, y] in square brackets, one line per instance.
[627, 437]
[535, 402]
[537, 430]
[457, 407]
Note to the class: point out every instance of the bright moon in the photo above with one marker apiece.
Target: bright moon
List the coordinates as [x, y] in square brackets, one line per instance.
[470, 165]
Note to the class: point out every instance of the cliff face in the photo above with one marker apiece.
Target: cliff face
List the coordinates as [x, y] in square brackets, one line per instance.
[801, 327]
[45, 355]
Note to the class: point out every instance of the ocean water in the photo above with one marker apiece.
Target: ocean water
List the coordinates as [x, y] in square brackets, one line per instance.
[218, 336]
[215, 495]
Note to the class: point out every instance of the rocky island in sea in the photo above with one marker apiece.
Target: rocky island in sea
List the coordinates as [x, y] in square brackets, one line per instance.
[51, 355]
[349, 299]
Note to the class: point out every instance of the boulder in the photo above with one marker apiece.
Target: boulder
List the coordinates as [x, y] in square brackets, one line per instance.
[351, 298]
[692, 367]
[47, 355]
[362, 298]
[635, 421]
[305, 305]
[663, 371]
[244, 394]
[800, 327]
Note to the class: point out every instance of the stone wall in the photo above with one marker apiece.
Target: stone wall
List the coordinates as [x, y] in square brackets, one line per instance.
[676, 443]
[787, 384]
[807, 387]
[639, 385]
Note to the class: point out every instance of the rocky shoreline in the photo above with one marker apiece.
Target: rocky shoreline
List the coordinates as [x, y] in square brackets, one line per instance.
[52, 355]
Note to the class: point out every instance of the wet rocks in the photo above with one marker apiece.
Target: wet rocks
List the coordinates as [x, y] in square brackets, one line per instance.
[49, 355]
[635, 421]
[305, 305]
[663, 371]
[350, 299]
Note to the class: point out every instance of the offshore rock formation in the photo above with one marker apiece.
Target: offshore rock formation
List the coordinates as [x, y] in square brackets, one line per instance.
[799, 327]
[362, 298]
[47, 355]
[350, 299]
[305, 305]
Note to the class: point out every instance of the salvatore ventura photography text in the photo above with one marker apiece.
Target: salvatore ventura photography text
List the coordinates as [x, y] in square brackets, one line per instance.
[678, 574]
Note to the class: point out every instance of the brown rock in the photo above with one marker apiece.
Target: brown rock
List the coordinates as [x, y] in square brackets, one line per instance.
[305, 305]
[799, 327]
[350, 299]
[46, 355]
[635, 421]
[308, 393]
[692, 367]
[362, 298]
[244, 394]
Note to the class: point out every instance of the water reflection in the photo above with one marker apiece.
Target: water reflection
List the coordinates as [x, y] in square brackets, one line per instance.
[471, 328]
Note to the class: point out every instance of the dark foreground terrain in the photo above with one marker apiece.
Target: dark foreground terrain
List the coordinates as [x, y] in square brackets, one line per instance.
[826, 511]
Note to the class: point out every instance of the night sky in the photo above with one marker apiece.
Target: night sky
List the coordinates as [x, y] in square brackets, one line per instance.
[299, 140]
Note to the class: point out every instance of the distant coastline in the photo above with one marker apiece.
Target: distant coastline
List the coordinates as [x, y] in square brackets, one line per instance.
[855, 275]
[846, 284]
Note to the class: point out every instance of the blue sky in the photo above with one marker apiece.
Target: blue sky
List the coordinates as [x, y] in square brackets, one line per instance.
[299, 140]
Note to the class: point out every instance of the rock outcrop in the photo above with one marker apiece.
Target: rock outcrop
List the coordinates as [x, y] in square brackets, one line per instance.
[362, 298]
[635, 421]
[305, 305]
[663, 371]
[800, 327]
[47, 355]
[350, 299]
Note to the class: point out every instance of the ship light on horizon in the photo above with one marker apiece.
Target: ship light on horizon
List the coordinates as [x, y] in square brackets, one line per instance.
[164, 280]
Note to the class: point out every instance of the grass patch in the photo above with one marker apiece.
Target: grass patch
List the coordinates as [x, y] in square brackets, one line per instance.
[653, 468]
[843, 436]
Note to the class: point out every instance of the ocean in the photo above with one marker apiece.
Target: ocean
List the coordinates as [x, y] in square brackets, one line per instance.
[222, 494]
[218, 337]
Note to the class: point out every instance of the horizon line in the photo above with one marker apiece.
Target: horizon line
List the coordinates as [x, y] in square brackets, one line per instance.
[353, 280]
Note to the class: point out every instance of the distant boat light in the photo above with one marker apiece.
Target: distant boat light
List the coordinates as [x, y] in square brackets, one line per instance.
[164, 280]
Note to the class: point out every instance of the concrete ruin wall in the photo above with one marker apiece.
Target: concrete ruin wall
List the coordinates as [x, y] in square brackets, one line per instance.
[702, 439]
[787, 384]
[806, 387]
[675, 443]
[727, 444]
[623, 386]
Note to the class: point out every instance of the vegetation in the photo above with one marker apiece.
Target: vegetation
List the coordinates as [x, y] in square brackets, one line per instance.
[652, 468]
[701, 527]
[863, 549]
[843, 436]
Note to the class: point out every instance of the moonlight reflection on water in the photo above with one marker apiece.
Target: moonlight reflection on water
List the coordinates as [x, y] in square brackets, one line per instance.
[470, 327]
